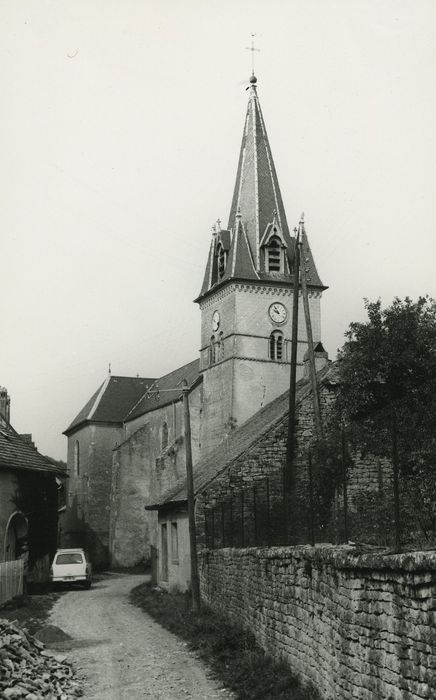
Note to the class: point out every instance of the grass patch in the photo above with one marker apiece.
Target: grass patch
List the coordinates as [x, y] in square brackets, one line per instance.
[31, 611]
[232, 654]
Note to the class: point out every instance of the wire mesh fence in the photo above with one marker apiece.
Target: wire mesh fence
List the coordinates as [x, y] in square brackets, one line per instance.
[366, 500]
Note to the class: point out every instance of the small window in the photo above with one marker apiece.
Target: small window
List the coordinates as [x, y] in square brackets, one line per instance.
[164, 435]
[274, 254]
[164, 552]
[276, 345]
[76, 458]
[174, 543]
[70, 558]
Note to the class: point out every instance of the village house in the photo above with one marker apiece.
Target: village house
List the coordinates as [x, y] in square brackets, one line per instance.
[127, 451]
[28, 499]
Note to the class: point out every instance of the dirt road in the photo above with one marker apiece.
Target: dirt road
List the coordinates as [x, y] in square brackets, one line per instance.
[121, 653]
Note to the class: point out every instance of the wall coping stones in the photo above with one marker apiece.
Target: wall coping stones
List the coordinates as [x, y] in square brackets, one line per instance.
[345, 557]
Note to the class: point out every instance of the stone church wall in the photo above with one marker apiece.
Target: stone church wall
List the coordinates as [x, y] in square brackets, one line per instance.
[88, 492]
[356, 626]
[143, 470]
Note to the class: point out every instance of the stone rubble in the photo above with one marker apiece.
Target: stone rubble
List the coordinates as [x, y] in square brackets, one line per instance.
[28, 671]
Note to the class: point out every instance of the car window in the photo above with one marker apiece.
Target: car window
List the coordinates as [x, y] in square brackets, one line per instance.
[70, 558]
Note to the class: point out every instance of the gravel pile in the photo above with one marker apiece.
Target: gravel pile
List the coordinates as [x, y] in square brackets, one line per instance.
[28, 671]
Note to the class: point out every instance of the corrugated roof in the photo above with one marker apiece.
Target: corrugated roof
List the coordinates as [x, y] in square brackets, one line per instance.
[15, 453]
[238, 442]
[165, 390]
[112, 401]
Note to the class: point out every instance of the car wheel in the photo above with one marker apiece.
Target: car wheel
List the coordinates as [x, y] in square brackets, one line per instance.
[87, 585]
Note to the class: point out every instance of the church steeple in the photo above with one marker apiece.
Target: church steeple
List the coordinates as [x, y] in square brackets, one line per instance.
[247, 298]
[257, 245]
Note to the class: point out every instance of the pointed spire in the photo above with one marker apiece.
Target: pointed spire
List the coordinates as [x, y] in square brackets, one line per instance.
[257, 192]
[256, 214]
[307, 257]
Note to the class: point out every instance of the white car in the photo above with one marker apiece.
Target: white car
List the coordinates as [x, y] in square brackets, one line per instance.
[71, 566]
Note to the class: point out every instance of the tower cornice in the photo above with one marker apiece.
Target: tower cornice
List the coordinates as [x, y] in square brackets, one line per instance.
[277, 288]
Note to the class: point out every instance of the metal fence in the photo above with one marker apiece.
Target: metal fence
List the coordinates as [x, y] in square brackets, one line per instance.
[367, 502]
[11, 579]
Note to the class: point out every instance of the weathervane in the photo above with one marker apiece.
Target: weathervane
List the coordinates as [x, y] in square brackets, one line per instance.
[252, 48]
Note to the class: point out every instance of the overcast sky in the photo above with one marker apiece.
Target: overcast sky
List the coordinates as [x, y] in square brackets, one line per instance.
[120, 130]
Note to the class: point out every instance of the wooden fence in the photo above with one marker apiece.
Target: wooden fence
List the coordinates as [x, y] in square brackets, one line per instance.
[11, 579]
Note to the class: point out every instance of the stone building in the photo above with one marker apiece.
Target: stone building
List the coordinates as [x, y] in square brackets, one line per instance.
[28, 498]
[245, 302]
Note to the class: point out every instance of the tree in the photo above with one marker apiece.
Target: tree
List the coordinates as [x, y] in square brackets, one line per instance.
[387, 373]
[390, 360]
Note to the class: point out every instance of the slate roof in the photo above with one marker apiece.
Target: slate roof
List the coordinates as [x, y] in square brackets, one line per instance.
[15, 453]
[112, 401]
[238, 442]
[166, 389]
[121, 399]
[256, 204]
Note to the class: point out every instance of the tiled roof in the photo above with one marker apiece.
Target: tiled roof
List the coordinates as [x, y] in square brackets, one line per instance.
[112, 401]
[238, 442]
[15, 453]
[256, 204]
[165, 390]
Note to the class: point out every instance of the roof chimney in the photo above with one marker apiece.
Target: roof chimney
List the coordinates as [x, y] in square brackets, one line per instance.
[5, 404]
[321, 359]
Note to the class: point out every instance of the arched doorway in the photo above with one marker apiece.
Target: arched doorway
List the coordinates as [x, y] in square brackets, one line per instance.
[16, 536]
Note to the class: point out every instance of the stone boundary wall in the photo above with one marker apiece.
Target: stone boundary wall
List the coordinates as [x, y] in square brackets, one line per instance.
[354, 625]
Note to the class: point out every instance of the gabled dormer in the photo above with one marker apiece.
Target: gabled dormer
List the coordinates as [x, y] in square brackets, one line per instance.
[222, 248]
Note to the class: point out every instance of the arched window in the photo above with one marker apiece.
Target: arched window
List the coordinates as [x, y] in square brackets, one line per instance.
[276, 345]
[212, 350]
[164, 435]
[216, 349]
[221, 347]
[16, 536]
[221, 253]
[274, 254]
[76, 458]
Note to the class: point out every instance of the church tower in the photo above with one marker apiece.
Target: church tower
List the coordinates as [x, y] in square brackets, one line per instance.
[247, 292]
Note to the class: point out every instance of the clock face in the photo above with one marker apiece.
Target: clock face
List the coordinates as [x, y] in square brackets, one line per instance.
[215, 321]
[278, 312]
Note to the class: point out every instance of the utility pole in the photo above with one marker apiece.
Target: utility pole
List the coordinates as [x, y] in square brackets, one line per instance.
[195, 583]
[290, 443]
[312, 365]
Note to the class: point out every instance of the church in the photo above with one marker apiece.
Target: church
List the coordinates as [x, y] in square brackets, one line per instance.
[126, 445]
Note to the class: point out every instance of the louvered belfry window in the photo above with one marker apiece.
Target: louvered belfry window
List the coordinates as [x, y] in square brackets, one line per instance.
[274, 254]
[221, 260]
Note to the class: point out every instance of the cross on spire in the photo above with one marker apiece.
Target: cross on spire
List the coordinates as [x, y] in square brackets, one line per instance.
[252, 48]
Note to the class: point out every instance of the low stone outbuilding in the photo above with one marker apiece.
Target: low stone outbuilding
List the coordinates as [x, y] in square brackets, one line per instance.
[28, 503]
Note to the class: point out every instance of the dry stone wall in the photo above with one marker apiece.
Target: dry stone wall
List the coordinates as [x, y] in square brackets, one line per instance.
[354, 625]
